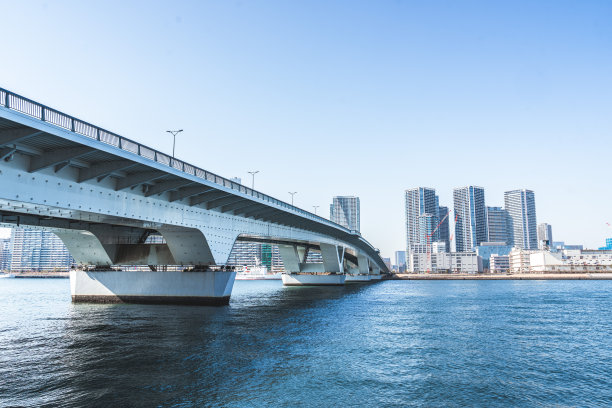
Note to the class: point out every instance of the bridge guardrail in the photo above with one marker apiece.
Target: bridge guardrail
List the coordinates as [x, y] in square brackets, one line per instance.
[18, 103]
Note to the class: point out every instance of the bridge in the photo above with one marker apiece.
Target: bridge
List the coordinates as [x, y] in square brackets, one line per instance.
[105, 196]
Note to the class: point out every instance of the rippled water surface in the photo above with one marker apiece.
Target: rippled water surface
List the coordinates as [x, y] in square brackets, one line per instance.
[394, 343]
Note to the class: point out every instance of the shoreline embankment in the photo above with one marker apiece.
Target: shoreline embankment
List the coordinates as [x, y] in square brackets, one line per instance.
[487, 276]
[40, 275]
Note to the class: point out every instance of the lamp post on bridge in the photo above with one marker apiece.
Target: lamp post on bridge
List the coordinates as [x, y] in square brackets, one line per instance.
[174, 133]
[253, 173]
[292, 194]
[315, 208]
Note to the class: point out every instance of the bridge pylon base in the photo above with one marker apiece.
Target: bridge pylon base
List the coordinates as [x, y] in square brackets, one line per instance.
[357, 278]
[313, 279]
[211, 288]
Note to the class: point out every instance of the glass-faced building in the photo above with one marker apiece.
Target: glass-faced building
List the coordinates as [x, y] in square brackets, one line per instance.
[522, 224]
[470, 218]
[497, 225]
[345, 211]
[488, 249]
[545, 238]
[422, 216]
[400, 260]
[444, 228]
[608, 245]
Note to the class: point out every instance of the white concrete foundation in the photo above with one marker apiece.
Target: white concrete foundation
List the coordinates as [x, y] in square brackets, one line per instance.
[198, 288]
[311, 279]
[357, 278]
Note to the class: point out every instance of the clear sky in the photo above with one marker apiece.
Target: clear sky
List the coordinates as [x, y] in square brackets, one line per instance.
[344, 97]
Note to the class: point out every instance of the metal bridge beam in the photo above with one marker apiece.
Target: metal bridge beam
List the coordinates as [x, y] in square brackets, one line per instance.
[135, 179]
[16, 135]
[220, 202]
[242, 206]
[287, 220]
[53, 157]
[103, 169]
[166, 185]
[259, 212]
[206, 197]
[60, 166]
[188, 192]
[6, 152]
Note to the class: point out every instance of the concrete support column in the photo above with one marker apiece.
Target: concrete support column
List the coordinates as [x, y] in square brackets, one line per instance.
[331, 258]
[188, 246]
[361, 273]
[291, 259]
[374, 271]
[140, 254]
[103, 246]
[300, 273]
[363, 264]
[84, 247]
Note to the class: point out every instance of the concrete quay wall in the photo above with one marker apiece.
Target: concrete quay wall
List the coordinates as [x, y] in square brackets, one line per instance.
[524, 276]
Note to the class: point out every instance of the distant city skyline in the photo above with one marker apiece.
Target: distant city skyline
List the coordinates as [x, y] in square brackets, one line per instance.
[393, 94]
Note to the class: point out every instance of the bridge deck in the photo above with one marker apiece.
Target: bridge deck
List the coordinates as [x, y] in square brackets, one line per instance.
[54, 140]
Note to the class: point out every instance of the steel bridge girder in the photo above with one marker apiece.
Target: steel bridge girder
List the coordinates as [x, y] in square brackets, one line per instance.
[53, 157]
[134, 179]
[220, 202]
[103, 169]
[188, 192]
[167, 185]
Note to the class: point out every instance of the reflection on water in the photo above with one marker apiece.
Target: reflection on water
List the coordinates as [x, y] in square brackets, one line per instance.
[490, 343]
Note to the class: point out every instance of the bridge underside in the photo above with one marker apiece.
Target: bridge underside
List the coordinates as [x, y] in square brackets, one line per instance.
[106, 196]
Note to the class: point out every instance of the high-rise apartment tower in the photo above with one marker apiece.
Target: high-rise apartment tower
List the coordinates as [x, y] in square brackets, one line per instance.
[522, 224]
[497, 225]
[345, 211]
[471, 221]
[422, 216]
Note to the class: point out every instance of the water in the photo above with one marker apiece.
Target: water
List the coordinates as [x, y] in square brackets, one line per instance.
[394, 343]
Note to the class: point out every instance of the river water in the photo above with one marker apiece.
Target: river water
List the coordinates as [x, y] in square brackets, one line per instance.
[392, 343]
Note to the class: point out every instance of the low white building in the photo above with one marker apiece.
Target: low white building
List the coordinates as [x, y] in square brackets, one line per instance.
[499, 263]
[465, 262]
[444, 262]
[571, 261]
[425, 258]
[519, 261]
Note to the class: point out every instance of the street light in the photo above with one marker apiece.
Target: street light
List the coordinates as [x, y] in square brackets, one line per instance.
[292, 194]
[315, 207]
[253, 173]
[174, 133]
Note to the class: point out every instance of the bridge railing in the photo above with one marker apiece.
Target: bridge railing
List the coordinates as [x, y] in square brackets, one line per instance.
[36, 110]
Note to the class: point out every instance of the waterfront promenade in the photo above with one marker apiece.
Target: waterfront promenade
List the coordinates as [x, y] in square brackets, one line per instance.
[516, 276]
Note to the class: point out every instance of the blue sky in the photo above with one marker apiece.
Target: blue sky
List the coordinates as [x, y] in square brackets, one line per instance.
[344, 97]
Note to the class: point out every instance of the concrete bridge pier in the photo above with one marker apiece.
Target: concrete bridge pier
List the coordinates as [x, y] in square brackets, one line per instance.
[361, 273]
[374, 272]
[112, 245]
[300, 273]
